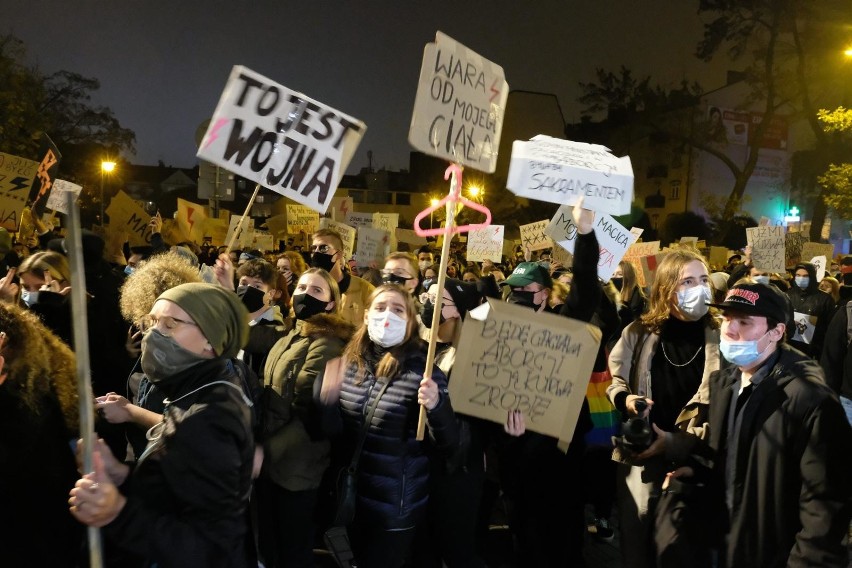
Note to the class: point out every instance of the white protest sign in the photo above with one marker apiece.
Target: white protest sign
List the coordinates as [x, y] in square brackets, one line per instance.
[373, 246]
[359, 219]
[485, 244]
[767, 248]
[613, 238]
[819, 262]
[347, 234]
[533, 237]
[301, 219]
[386, 221]
[459, 106]
[281, 139]
[244, 239]
[804, 327]
[56, 199]
[562, 171]
[516, 359]
[264, 242]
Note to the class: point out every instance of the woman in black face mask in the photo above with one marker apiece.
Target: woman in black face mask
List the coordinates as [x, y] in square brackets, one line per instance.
[296, 454]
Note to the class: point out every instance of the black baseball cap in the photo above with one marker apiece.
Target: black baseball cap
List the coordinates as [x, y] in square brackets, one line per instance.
[756, 300]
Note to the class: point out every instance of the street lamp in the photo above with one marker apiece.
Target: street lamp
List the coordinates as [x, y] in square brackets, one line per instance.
[106, 167]
[434, 203]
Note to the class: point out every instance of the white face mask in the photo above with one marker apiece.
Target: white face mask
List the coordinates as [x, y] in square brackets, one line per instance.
[29, 298]
[386, 329]
[424, 264]
[693, 301]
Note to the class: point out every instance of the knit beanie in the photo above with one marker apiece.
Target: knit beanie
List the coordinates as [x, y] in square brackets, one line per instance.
[219, 314]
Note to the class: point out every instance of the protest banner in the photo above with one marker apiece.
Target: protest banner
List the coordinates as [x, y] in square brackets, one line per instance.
[810, 250]
[649, 266]
[281, 139]
[48, 167]
[359, 220]
[819, 263]
[516, 359]
[127, 216]
[190, 217]
[562, 171]
[341, 207]
[459, 106]
[347, 234]
[387, 222]
[244, 238]
[691, 242]
[16, 179]
[410, 237]
[301, 219]
[767, 248]
[171, 232]
[277, 225]
[56, 200]
[533, 236]
[793, 243]
[485, 244]
[373, 246]
[217, 230]
[559, 255]
[613, 238]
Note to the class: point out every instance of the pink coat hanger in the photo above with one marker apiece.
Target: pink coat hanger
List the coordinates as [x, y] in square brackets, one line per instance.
[454, 197]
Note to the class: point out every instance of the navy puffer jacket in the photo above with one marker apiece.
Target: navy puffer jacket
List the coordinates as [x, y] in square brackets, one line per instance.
[394, 467]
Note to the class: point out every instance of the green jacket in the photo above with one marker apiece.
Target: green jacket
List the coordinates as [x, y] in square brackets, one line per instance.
[296, 456]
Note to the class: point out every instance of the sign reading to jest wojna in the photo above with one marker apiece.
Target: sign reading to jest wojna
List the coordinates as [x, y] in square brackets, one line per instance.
[281, 139]
[459, 107]
[562, 171]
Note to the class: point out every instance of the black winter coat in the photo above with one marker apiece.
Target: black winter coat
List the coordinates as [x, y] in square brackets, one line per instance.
[813, 302]
[393, 471]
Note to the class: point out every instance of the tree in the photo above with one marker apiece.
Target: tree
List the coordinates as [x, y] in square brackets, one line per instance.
[837, 180]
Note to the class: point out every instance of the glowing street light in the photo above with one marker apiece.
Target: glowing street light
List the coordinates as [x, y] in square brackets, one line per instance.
[434, 203]
[106, 168]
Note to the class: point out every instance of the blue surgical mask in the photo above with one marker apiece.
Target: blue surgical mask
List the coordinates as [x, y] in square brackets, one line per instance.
[762, 279]
[802, 281]
[693, 301]
[128, 270]
[29, 298]
[741, 353]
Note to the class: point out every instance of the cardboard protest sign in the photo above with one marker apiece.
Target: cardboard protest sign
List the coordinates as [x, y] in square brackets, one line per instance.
[347, 234]
[810, 250]
[819, 263]
[691, 242]
[373, 246]
[56, 201]
[386, 221]
[48, 167]
[217, 230]
[517, 359]
[171, 232]
[264, 242]
[359, 219]
[341, 207]
[533, 236]
[613, 238]
[281, 139]
[649, 266]
[562, 171]
[767, 248]
[459, 106]
[126, 215]
[277, 225]
[804, 327]
[190, 218]
[793, 243]
[635, 252]
[16, 179]
[410, 237]
[301, 219]
[485, 244]
[559, 255]
[244, 238]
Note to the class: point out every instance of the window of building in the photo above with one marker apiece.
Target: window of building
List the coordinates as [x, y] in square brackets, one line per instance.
[403, 199]
[357, 196]
[675, 187]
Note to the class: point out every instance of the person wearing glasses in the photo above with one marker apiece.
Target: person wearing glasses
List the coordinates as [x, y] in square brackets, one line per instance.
[401, 269]
[327, 253]
[184, 503]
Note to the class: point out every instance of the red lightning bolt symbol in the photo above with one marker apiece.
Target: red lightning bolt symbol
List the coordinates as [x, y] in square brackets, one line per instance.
[189, 219]
[494, 91]
[214, 132]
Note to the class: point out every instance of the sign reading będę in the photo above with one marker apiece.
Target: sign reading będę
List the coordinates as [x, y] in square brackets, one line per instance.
[281, 139]
[562, 171]
[459, 107]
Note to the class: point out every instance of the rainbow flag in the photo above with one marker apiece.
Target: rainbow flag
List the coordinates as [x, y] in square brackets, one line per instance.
[606, 419]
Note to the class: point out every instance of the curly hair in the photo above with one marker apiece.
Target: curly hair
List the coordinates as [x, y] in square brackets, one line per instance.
[38, 365]
[297, 262]
[665, 283]
[153, 277]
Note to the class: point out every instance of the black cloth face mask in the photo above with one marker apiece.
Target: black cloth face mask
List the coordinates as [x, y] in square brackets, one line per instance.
[322, 260]
[251, 297]
[428, 313]
[523, 298]
[306, 306]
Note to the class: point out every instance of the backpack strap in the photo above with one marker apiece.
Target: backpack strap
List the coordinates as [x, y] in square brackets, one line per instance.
[849, 323]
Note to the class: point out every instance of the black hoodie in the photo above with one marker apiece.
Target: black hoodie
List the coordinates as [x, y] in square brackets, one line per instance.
[811, 302]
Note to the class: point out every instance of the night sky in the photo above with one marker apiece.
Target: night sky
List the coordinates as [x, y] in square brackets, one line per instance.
[163, 64]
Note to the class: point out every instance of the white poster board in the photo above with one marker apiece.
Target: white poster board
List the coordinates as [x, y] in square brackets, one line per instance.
[562, 171]
[359, 220]
[819, 263]
[485, 244]
[280, 138]
[56, 199]
[533, 236]
[804, 326]
[246, 235]
[347, 234]
[459, 106]
[767, 248]
[373, 246]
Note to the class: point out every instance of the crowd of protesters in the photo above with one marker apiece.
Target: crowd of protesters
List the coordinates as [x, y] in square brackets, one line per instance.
[260, 408]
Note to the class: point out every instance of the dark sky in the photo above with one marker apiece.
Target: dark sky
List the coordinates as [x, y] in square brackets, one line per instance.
[163, 64]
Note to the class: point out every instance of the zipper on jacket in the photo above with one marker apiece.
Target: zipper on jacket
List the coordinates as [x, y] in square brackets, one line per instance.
[402, 494]
[367, 400]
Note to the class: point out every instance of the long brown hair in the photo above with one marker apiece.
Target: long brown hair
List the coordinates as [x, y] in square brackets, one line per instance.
[391, 362]
[629, 285]
[665, 283]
